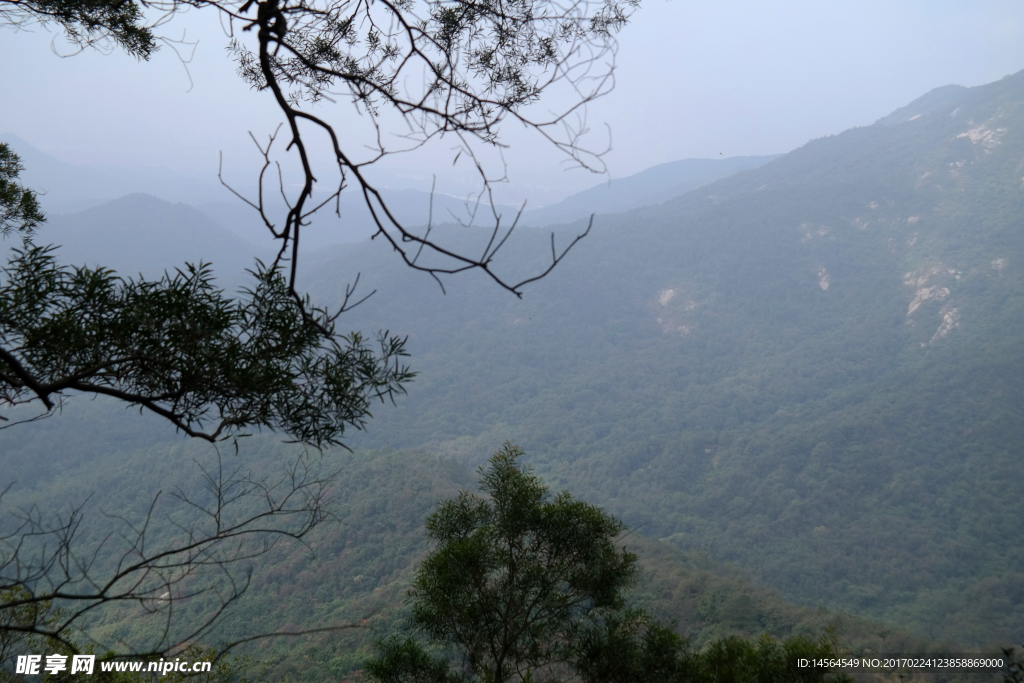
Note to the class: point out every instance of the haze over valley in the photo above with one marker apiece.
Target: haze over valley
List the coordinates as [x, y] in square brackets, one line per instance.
[796, 377]
[628, 341]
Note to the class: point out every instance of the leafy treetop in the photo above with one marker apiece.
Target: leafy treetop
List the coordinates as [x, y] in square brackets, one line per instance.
[212, 365]
[523, 586]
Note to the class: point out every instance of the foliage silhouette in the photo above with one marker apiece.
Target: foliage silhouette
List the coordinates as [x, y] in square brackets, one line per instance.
[528, 587]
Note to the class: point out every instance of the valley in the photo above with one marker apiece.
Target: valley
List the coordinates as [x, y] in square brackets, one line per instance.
[798, 383]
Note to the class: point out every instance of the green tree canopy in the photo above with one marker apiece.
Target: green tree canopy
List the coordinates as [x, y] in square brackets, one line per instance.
[213, 365]
[19, 206]
[514, 577]
[216, 366]
[526, 586]
[88, 22]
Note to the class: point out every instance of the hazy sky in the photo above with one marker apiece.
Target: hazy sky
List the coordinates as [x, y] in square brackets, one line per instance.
[694, 79]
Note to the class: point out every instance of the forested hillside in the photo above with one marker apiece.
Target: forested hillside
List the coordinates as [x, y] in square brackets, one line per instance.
[354, 571]
[807, 373]
[809, 369]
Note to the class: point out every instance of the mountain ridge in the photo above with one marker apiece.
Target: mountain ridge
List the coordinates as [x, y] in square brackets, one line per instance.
[68, 189]
[651, 186]
[682, 367]
[808, 369]
[141, 233]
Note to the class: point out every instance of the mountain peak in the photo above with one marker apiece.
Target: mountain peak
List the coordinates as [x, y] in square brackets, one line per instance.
[934, 100]
[140, 232]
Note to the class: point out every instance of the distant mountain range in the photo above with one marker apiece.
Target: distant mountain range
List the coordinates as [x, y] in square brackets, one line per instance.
[652, 186]
[139, 233]
[67, 189]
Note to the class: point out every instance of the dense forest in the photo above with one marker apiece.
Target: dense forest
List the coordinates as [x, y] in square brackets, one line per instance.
[812, 361]
[798, 385]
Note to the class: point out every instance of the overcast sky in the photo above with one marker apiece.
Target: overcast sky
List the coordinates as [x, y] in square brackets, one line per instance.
[694, 79]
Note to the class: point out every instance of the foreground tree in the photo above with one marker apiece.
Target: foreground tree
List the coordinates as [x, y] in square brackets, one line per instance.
[212, 365]
[181, 349]
[514, 578]
[216, 366]
[452, 69]
[171, 571]
[525, 586]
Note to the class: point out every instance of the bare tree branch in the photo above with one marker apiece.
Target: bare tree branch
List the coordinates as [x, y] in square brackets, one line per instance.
[220, 531]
